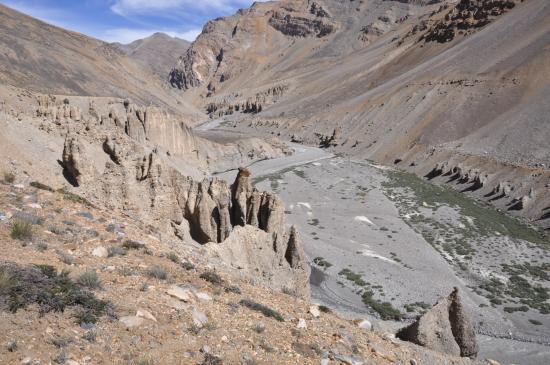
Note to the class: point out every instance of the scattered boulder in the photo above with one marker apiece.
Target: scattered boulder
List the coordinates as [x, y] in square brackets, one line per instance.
[445, 328]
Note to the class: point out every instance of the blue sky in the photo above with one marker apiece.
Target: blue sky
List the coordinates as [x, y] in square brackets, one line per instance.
[127, 20]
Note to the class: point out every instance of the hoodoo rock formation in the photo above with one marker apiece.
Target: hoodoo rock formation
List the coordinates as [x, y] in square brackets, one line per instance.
[445, 328]
[242, 226]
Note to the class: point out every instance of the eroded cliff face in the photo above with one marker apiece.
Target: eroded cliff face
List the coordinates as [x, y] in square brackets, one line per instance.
[128, 159]
[244, 227]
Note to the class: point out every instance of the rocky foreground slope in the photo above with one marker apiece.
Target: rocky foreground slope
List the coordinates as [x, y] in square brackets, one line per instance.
[411, 83]
[86, 285]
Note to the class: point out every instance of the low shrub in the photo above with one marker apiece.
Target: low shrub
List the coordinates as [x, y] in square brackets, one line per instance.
[173, 257]
[89, 279]
[212, 277]
[8, 177]
[39, 185]
[133, 245]
[51, 291]
[266, 311]
[21, 230]
[157, 272]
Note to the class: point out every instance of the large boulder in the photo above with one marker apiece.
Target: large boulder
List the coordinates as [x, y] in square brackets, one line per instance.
[446, 328]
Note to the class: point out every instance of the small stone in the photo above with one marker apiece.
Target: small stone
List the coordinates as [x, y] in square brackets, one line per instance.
[413, 362]
[364, 324]
[224, 339]
[180, 293]
[314, 311]
[324, 361]
[72, 362]
[131, 321]
[142, 313]
[301, 324]
[100, 252]
[26, 361]
[203, 296]
[205, 349]
[492, 362]
[34, 206]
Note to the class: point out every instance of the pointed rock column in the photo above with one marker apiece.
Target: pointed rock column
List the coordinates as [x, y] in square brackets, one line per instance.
[445, 328]
[294, 254]
[241, 190]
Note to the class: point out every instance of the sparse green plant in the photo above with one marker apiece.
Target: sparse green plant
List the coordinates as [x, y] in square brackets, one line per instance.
[357, 279]
[522, 308]
[317, 349]
[325, 309]
[145, 362]
[39, 185]
[289, 291]
[266, 347]
[384, 309]
[320, 261]
[90, 336]
[8, 177]
[60, 342]
[74, 198]
[126, 271]
[21, 230]
[535, 322]
[12, 346]
[55, 230]
[144, 287]
[66, 258]
[194, 329]
[212, 277]
[133, 245]
[84, 316]
[42, 285]
[157, 272]
[187, 265]
[248, 360]
[60, 358]
[113, 251]
[259, 328]
[41, 246]
[89, 279]
[173, 257]
[233, 289]
[266, 311]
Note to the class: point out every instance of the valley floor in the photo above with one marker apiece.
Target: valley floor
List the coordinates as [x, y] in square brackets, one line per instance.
[376, 235]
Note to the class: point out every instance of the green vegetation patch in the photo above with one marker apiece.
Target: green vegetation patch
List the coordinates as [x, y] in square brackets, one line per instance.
[52, 291]
[21, 230]
[355, 278]
[39, 185]
[320, 261]
[385, 309]
[266, 311]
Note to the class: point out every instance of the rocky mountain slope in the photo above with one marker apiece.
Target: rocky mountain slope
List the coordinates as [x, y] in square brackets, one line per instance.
[48, 59]
[463, 83]
[157, 53]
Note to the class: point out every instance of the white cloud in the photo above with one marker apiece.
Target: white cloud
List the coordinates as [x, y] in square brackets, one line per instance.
[127, 35]
[141, 7]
